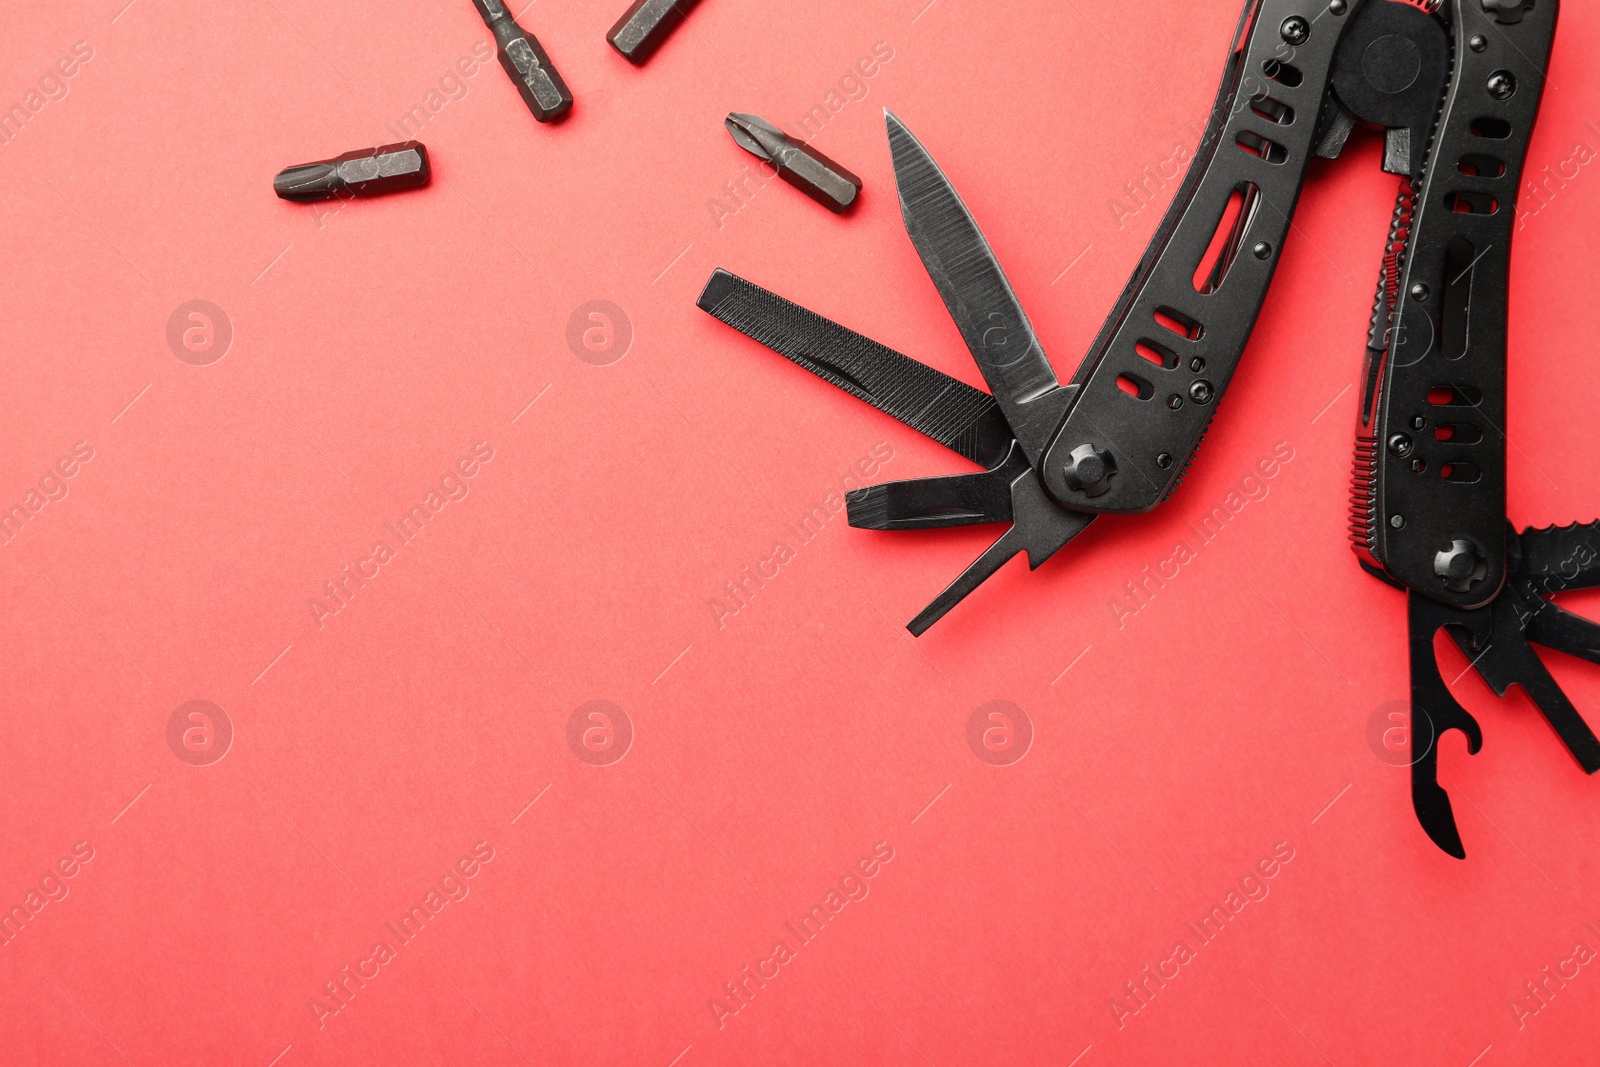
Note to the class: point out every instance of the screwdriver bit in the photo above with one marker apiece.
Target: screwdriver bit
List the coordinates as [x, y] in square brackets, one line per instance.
[366, 172]
[527, 62]
[642, 28]
[800, 165]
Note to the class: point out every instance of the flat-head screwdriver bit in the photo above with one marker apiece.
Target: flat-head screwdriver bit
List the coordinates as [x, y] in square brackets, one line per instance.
[800, 165]
[367, 172]
[642, 28]
[525, 59]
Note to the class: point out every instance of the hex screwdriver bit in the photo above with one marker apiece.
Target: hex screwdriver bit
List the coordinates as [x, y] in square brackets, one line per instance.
[366, 172]
[526, 61]
[797, 163]
[642, 28]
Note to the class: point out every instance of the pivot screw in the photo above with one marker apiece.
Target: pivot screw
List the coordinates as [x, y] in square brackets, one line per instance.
[1296, 30]
[1478, 43]
[1401, 444]
[1397, 522]
[1502, 85]
[1263, 250]
[1419, 292]
[1507, 11]
[1201, 392]
[1090, 470]
[1338, 7]
[1164, 461]
[1461, 566]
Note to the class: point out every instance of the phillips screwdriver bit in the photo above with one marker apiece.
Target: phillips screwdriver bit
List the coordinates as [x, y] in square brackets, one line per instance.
[525, 59]
[642, 28]
[800, 165]
[366, 172]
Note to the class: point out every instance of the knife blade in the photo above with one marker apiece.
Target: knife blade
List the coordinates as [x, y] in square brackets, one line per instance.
[980, 299]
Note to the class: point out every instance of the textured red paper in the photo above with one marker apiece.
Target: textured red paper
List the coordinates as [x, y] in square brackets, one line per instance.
[775, 753]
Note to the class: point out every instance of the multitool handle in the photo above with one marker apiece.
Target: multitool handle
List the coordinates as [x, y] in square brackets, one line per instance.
[1430, 493]
[1151, 383]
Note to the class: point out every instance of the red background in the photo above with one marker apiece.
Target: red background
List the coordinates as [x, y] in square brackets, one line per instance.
[372, 348]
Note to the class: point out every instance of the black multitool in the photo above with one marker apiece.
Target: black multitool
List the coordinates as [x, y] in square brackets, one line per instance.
[1428, 502]
[1455, 86]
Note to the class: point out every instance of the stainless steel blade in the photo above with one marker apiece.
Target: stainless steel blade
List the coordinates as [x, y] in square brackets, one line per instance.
[980, 299]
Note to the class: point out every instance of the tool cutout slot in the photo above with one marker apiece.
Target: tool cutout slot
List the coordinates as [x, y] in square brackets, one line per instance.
[1135, 386]
[1460, 263]
[1451, 396]
[1460, 472]
[1261, 147]
[1282, 73]
[1477, 165]
[1491, 129]
[1160, 355]
[1237, 215]
[1468, 203]
[1179, 323]
[1458, 433]
[1272, 110]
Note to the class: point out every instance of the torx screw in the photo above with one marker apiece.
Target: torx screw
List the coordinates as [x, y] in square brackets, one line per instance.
[1090, 470]
[1419, 292]
[1296, 30]
[1398, 522]
[1401, 444]
[1507, 11]
[1478, 43]
[1502, 85]
[1461, 566]
[1201, 392]
[1164, 461]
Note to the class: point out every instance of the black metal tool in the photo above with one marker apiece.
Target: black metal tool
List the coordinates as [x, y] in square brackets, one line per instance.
[1119, 436]
[1455, 85]
[1429, 500]
[797, 163]
[646, 25]
[526, 61]
[368, 172]
[963, 419]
